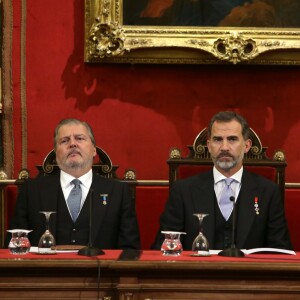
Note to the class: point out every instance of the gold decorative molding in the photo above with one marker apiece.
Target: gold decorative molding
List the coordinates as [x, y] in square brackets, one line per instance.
[175, 153]
[279, 156]
[235, 48]
[3, 175]
[1, 105]
[6, 85]
[23, 174]
[108, 40]
[130, 175]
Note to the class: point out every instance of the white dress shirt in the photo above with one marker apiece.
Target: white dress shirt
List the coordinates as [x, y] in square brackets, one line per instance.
[220, 183]
[66, 185]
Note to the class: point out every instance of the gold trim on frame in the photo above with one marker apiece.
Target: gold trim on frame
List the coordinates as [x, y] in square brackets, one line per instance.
[107, 40]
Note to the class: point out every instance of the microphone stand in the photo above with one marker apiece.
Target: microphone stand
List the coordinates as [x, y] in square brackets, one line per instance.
[232, 251]
[89, 250]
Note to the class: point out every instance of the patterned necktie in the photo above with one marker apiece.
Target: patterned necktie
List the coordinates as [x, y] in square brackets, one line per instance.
[74, 199]
[225, 202]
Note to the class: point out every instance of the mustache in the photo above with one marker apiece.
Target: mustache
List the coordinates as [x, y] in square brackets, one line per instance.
[224, 154]
[73, 151]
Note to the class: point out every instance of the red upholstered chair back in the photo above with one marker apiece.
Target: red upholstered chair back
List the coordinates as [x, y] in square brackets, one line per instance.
[150, 203]
[199, 160]
[8, 196]
[10, 193]
[292, 213]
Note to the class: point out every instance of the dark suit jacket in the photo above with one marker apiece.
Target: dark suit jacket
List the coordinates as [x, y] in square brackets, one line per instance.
[114, 224]
[196, 195]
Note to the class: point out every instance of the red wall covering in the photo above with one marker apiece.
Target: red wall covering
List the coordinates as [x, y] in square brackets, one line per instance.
[139, 111]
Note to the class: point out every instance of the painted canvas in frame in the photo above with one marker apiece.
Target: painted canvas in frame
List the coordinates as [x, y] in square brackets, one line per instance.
[193, 31]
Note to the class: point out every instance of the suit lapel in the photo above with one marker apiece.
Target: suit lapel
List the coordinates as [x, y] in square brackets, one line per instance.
[100, 202]
[203, 197]
[246, 213]
[49, 190]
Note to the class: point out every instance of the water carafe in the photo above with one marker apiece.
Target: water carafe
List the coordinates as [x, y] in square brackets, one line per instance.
[19, 242]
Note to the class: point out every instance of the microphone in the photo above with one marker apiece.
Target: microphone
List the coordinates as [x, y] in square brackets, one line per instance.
[232, 251]
[89, 250]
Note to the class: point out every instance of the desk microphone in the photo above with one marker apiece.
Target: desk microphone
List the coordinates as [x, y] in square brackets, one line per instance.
[232, 251]
[89, 250]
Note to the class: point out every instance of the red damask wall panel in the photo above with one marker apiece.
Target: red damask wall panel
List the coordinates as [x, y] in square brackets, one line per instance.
[139, 112]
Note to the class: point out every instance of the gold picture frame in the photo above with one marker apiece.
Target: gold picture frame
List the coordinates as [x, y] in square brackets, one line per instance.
[108, 40]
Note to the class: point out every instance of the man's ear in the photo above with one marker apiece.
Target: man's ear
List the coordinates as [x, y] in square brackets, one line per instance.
[208, 144]
[248, 144]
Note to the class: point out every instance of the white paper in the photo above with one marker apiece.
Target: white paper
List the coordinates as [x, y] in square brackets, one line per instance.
[275, 250]
[258, 250]
[35, 250]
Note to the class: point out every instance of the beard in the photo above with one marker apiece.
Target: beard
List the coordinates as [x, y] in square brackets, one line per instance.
[227, 165]
[67, 164]
[72, 165]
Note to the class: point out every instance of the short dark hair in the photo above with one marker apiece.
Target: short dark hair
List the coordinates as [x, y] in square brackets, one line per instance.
[228, 116]
[77, 122]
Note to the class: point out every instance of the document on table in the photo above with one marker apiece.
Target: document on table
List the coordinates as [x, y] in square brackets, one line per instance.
[35, 250]
[260, 250]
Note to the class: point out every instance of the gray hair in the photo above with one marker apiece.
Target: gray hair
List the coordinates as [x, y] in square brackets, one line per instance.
[76, 122]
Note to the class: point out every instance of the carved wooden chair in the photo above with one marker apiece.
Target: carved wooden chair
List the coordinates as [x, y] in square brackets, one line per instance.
[199, 160]
[102, 166]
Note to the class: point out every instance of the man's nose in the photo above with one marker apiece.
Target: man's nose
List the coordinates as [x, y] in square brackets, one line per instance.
[224, 145]
[73, 143]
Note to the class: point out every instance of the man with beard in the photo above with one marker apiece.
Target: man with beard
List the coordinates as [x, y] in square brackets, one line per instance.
[114, 223]
[260, 213]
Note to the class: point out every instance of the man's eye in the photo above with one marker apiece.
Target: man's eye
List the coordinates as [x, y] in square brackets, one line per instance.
[63, 141]
[232, 138]
[217, 139]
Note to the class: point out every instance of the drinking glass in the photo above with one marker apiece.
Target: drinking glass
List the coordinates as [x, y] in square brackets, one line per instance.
[19, 242]
[47, 243]
[171, 245]
[200, 245]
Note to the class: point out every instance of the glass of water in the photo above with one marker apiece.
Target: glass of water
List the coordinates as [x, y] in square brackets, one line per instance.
[171, 245]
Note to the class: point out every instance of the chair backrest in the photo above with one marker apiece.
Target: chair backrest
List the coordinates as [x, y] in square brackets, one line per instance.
[103, 166]
[199, 160]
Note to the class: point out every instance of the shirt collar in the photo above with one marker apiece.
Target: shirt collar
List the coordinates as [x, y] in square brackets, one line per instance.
[219, 176]
[65, 178]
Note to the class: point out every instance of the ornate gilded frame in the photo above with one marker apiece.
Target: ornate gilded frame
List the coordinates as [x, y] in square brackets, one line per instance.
[107, 40]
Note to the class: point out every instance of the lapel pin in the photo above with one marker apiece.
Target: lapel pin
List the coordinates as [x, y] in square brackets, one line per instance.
[256, 207]
[104, 198]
